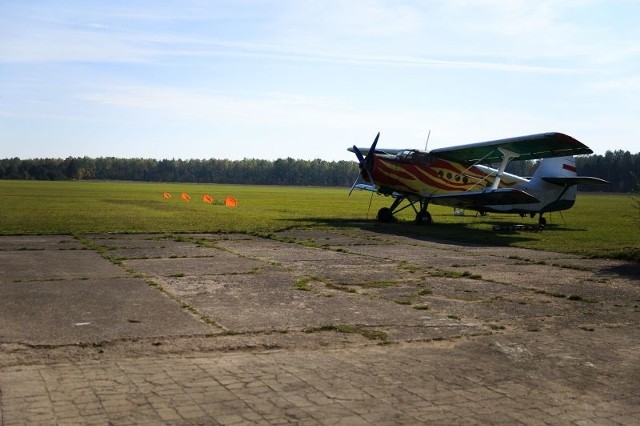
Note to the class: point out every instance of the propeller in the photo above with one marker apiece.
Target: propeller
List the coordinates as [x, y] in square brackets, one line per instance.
[355, 182]
[368, 161]
[365, 163]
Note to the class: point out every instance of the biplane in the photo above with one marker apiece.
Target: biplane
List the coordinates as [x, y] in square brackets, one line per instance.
[465, 177]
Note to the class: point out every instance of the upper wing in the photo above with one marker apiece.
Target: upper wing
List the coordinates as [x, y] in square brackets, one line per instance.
[389, 151]
[542, 145]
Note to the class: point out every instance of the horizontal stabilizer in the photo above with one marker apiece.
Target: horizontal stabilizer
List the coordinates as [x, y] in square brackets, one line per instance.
[575, 180]
[478, 200]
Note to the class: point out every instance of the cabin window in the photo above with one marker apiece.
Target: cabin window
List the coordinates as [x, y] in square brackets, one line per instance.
[415, 157]
[405, 155]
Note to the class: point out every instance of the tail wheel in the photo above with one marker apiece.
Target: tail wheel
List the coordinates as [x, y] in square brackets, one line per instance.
[423, 218]
[385, 215]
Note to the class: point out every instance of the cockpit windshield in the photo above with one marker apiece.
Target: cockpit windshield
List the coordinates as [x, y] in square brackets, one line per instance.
[414, 156]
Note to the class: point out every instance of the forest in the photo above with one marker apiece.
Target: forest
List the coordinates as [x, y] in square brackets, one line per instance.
[620, 168]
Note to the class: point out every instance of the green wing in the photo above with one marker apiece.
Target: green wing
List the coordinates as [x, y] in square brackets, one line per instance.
[529, 147]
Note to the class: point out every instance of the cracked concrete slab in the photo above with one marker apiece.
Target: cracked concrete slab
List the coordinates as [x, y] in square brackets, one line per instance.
[277, 251]
[321, 326]
[88, 311]
[40, 242]
[48, 265]
[271, 301]
[218, 262]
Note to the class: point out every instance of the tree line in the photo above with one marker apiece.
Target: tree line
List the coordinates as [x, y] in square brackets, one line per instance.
[620, 168]
[248, 171]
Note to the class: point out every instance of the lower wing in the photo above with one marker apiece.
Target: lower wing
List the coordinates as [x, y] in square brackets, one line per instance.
[468, 200]
[479, 199]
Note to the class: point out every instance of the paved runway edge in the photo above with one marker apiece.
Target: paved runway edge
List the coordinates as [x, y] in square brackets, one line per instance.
[312, 327]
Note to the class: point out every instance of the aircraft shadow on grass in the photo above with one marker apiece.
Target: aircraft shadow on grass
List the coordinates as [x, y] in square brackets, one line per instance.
[451, 233]
[456, 233]
[629, 270]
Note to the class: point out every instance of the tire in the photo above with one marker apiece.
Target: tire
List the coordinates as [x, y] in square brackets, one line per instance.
[423, 218]
[385, 215]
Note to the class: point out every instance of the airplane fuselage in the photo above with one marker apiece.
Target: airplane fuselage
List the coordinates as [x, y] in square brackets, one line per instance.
[425, 176]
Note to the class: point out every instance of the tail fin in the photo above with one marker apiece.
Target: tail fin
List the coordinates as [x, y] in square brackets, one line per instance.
[554, 183]
[562, 171]
[556, 167]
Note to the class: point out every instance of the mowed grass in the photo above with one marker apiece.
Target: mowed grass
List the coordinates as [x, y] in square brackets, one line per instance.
[600, 225]
[73, 207]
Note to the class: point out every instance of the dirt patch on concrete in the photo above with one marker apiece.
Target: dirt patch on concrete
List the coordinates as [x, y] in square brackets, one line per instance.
[343, 285]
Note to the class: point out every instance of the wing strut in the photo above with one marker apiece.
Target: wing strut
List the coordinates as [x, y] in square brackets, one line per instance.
[507, 156]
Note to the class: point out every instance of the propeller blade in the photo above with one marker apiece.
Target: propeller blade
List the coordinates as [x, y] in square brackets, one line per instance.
[365, 163]
[354, 185]
[373, 146]
[359, 155]
[369, 176]
[368, 161]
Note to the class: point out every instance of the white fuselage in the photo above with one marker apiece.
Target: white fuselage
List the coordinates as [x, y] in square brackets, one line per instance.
[552, 196]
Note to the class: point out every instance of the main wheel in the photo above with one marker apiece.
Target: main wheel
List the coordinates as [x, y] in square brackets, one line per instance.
[385, 215]
[542, 221]
[423, 218]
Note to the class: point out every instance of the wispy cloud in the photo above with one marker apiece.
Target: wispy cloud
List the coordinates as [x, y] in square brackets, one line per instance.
[351, 33]
[628, 84]
[104, 45]
[186, 104]
[54, 42]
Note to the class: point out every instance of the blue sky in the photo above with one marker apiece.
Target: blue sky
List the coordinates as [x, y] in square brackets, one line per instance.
[307, 79]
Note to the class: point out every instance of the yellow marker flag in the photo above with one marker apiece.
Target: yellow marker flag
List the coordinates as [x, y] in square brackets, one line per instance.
[231, 202]
[207, 199]
[185, 197]
[166, 196]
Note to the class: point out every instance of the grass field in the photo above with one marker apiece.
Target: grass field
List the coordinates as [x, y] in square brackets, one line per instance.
[600, 225]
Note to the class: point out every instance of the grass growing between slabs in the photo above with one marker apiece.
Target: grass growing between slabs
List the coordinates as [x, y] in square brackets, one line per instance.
[599, 225]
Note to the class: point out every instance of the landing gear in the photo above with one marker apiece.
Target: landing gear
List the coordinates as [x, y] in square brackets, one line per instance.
[423, 217]
[385, 215]
[542, 222]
